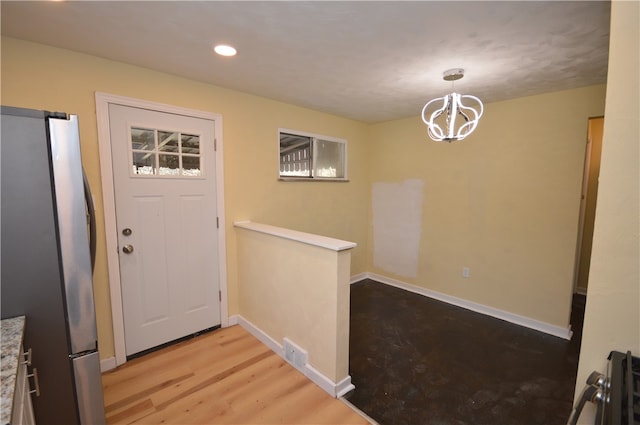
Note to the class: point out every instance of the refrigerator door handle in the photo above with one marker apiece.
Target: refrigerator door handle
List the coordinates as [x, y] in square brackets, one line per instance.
[91, 213]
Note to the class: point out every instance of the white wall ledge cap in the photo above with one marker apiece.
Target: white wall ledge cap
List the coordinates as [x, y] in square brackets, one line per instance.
[303, 237]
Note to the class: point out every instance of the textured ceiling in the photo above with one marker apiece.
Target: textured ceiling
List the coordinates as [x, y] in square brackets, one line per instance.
[370, 61]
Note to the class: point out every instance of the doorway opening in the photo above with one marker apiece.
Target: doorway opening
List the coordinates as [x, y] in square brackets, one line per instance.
[588, 200]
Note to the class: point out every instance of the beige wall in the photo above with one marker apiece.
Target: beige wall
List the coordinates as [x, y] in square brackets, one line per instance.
[292, 289]
[612, 317]
[504, 202]
[41, 77]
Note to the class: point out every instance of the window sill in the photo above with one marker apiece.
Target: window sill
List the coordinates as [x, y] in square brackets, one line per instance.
[312, 179]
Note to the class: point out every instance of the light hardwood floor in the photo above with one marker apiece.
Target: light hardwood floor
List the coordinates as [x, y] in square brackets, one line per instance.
[223, 377]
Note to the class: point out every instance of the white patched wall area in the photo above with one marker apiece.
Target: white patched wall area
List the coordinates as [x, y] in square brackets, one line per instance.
[397, 224]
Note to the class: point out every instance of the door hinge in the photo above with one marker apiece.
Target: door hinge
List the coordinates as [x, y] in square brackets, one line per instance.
[220, 296]
[217, 223]
[215, 145]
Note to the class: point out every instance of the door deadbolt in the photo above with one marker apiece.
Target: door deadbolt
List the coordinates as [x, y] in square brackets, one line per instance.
[127, 249]
[127, 232]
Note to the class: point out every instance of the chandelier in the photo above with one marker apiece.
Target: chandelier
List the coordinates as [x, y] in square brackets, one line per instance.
[448, 118]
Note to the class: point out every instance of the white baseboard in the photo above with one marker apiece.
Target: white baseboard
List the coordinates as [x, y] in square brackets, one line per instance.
[232, 320]
[527, 322]
[274, 345]
[358, 277]
[334, 389]
[107, 364]
[344, 386]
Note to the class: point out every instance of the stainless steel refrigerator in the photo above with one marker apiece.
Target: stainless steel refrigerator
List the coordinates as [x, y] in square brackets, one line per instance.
[46, 261]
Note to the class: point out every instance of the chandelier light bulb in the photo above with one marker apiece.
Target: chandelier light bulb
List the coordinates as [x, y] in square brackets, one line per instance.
[454, 116]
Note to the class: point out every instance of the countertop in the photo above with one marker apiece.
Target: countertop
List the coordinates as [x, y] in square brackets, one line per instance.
[12, 334]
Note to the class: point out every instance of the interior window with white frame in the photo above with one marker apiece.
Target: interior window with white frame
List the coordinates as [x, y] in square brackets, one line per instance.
[306, 156]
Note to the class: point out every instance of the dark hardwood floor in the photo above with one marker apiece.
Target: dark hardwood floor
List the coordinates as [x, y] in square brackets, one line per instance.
[415, 360]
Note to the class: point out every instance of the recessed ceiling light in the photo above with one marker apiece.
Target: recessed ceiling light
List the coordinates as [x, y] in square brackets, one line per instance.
[224, 50]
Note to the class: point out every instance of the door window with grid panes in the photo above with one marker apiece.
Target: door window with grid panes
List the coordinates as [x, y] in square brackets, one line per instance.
[157, 152]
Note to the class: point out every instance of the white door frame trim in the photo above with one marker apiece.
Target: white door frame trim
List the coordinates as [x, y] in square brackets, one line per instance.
[109, 208]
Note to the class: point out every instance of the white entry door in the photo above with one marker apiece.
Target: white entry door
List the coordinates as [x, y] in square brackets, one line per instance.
[165, 193]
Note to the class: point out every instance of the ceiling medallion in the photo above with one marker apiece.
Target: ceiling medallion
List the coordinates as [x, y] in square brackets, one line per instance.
[452, 120]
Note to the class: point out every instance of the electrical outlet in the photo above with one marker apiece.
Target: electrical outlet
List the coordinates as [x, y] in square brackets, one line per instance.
[465, 272]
